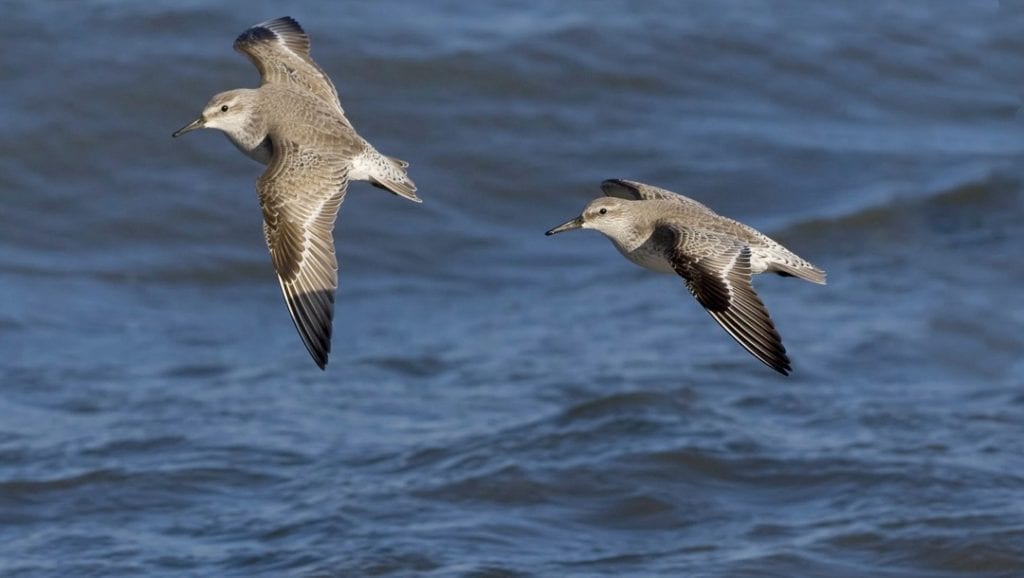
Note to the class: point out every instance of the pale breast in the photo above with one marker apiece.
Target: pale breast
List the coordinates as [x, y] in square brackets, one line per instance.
[261, 153]
[649, 256]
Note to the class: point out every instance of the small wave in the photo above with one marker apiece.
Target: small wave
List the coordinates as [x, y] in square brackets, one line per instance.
[123, 447]
[158, 482]
[979, 552]
[412, 366]
[28, 488]
[508, 485]
[972, 185]
[616, 404]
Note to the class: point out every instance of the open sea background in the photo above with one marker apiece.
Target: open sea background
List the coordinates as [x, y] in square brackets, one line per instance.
[500, 403]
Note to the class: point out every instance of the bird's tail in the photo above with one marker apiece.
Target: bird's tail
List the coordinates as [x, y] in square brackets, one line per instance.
[804, 271]
[388, 173]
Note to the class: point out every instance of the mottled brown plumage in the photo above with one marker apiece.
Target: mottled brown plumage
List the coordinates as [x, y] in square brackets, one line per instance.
[295, 125]
[716, 257]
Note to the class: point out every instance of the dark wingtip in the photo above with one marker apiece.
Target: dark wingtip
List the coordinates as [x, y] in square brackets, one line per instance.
[255, 34]
[783, 368]
[313, 316]
[286, 21]
[319, 345]
[284, 24]
[266, 31]
[319, 352]
[777, 359]
[620, 188]
[319, 349]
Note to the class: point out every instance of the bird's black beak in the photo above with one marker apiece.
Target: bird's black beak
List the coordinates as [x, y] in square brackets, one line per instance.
[567, 226]
[196, 124]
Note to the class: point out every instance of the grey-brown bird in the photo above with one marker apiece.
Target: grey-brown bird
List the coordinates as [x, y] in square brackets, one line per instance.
[294, 124]
[716, 257]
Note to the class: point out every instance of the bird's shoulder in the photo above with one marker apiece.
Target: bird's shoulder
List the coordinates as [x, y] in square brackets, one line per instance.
[295, 115]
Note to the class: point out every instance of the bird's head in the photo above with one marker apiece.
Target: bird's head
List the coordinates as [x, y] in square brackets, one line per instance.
[609, 215]
[228, 111]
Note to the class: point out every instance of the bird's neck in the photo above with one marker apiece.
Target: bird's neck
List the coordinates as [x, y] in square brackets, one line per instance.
[644, 248]
[251, 138]
[629, 237]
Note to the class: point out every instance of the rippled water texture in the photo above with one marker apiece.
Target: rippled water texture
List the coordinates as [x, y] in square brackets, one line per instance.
[500, 403]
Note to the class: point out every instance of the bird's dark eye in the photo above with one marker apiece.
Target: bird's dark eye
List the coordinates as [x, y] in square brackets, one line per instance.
[603, 211]
[224, 108]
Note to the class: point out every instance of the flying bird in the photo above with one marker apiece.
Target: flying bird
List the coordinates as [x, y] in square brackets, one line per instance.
[294, 124]
[716, 257]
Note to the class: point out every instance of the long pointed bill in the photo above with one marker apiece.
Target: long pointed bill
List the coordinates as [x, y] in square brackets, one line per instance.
[568, 226]
[197, 123]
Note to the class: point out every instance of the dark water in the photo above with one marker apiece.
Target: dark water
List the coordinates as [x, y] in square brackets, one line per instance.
[500, 403]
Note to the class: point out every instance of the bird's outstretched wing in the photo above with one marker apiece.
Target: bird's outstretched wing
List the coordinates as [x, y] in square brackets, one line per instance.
[716, 269]
[300, 194]
[636, 191]
[280, 50]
